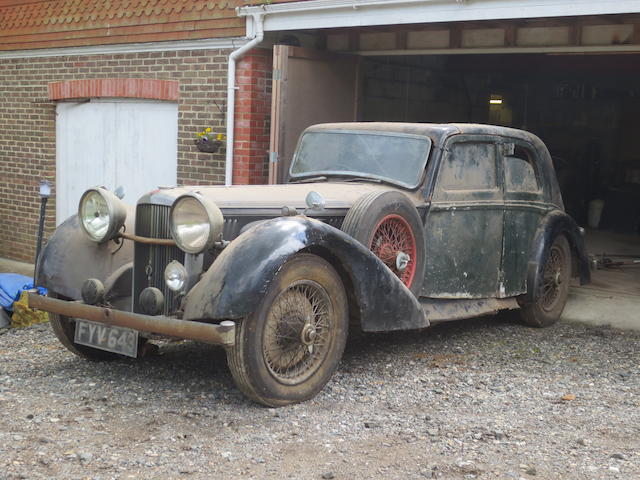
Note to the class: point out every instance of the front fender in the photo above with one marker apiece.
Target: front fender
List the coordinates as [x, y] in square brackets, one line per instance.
[553, 224]
[236, 282]
[70, 258]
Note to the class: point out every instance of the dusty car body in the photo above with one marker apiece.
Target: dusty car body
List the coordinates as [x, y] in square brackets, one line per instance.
[382, 226]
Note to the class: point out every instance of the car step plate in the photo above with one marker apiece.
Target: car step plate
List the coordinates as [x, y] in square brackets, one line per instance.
[106, 337]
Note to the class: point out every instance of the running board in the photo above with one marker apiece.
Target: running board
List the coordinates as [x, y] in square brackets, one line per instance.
[438, 310]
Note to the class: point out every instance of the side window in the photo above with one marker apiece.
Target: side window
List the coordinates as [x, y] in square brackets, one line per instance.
[520, 173]
[469, 166]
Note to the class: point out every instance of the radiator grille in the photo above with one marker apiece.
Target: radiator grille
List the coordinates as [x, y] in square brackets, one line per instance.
[150, 260]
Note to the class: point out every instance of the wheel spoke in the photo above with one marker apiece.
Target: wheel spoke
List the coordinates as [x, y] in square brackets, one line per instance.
[297, 334]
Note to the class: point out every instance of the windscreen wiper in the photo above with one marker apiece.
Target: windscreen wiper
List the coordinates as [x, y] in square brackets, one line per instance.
[356, 179]
[321, 178]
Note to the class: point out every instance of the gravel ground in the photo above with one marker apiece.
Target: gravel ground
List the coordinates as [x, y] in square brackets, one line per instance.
[486, 399]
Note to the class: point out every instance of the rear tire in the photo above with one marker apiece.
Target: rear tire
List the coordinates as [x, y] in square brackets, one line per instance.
[388, 224]
[288, 349]
[553, 290]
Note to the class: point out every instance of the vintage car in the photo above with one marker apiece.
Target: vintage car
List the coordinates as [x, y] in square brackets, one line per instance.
[381, 227]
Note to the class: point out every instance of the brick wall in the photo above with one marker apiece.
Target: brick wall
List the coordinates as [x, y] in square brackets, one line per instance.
[253, 114]
[27, 126]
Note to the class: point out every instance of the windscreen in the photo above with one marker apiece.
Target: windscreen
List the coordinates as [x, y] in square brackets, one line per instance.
[397, 158]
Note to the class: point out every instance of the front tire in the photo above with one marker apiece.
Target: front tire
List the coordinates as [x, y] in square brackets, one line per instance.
[64, 328]
[551, 297]
[288, 349]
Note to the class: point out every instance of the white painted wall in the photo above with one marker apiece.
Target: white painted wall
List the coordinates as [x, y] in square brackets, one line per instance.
[111, 143]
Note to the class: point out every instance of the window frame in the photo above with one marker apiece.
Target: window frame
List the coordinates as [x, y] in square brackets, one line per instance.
[534, 160]
[470, 194]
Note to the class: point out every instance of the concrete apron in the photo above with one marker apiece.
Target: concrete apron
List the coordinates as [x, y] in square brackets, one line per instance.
[601, 307]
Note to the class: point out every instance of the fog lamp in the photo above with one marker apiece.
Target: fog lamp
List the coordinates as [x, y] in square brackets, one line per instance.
[175, 276]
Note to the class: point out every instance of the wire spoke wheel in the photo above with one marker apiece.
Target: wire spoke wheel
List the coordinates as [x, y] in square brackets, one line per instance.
[289, 348]
[554, 277]
[393, 242]
[297, 332]
[553, 286]
[389, 225]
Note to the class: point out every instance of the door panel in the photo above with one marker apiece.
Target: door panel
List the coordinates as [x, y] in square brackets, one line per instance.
[132, 144]
[524, 206]
[465, 222]
[309, 87]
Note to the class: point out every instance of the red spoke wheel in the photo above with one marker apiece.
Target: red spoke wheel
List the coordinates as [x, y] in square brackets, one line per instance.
[553, 289]
[388, 224]
[394, 243]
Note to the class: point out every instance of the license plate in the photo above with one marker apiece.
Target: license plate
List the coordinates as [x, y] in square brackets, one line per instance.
[105, 337]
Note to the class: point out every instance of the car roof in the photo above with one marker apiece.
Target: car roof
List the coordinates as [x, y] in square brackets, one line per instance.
[439, 132]
[435, 131]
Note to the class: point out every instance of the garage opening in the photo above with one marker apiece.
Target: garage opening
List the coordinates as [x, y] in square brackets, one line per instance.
[582, 106]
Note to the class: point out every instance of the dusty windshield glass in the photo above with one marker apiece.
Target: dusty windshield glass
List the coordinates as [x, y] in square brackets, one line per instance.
[394, 157]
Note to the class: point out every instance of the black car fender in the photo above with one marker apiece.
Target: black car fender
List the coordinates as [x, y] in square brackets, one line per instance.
[70, 258]
[553, 224]
[237, 280]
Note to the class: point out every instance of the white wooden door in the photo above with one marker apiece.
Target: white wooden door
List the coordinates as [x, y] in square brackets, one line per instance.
[133, 144]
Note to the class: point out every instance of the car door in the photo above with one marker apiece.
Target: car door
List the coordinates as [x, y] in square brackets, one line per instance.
[525, 203]
[465, 221]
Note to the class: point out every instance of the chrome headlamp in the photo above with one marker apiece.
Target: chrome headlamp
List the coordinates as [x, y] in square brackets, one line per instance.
[175, 276]
[101, 214]
[196, 223]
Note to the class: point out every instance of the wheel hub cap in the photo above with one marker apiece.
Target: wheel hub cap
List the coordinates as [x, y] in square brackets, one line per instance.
[402, 261]
[557, 278]
[308, 334]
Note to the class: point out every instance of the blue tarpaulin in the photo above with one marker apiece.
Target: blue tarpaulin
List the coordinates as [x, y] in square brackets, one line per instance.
[12, 285]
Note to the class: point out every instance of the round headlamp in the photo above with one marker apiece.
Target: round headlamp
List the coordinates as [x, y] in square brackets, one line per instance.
[175, 276]
[196, 223]
[101, 214]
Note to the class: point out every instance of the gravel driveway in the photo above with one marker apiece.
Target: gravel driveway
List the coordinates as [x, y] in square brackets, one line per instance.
[487, 399]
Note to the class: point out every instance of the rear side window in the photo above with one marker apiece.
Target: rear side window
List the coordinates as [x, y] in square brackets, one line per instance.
[520, 172]
[469, 166]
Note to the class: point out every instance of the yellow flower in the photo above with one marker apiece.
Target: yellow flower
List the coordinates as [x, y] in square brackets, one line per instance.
[208, 129]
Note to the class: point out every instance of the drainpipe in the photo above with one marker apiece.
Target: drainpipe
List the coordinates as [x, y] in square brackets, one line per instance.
[258, 20]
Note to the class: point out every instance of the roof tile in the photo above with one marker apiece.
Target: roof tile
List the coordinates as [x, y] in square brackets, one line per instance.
[74, 22]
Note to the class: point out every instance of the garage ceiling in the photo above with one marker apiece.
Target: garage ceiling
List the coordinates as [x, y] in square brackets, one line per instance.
[619, 33]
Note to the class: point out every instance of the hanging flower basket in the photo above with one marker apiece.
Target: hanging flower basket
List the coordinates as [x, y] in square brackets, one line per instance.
[209, 141]
[209, 146]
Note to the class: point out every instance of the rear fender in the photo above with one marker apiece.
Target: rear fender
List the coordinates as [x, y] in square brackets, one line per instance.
[236, 282]
[70, 258]
[553, 224]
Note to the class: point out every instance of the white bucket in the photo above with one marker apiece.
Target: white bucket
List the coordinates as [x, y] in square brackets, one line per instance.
[594, 212]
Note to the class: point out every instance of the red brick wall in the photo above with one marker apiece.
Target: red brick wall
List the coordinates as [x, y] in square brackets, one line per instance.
[27, 126]
[253, 113]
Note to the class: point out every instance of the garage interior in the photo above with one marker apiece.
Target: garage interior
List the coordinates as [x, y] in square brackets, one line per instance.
[581, 99]
[582, 106]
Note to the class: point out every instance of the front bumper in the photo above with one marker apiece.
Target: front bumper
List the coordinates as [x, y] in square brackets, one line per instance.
[222, 334]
